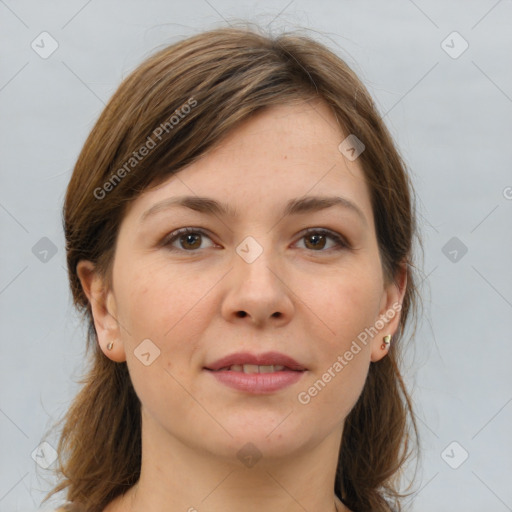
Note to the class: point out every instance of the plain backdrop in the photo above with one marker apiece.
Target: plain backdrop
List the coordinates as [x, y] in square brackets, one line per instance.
[441, 78]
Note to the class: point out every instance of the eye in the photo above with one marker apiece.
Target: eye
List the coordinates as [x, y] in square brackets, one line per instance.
[316, 239]
[188, 238]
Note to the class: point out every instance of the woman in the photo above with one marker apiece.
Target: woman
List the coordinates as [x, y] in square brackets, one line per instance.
[239, 232]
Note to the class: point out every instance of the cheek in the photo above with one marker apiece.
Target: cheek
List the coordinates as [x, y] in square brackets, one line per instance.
[344, 360]
[169, 306]
[345, 304]
[156, 298]
[166, 308]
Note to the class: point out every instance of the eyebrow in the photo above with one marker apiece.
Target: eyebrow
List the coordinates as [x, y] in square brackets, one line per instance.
[210, 206]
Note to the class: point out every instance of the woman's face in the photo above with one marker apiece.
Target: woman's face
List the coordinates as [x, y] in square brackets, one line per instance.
[260, 277]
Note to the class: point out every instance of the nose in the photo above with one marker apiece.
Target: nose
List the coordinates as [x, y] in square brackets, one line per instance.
[258, 292]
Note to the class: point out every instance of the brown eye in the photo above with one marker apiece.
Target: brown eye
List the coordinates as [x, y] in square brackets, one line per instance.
[189, 239]
[192, 239]
[317, 239]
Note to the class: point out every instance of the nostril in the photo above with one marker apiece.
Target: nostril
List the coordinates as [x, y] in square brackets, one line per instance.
[241, 314]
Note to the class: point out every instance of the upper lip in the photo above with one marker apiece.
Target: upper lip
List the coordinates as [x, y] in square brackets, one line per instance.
[265, 359]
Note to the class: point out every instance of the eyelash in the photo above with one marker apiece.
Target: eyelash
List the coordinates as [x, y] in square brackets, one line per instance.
[342, 243]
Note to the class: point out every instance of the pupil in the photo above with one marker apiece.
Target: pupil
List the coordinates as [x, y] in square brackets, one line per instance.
[190, 237]
[318, 238]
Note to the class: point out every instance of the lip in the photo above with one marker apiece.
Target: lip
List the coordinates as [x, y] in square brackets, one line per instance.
[265, 359]
[257, 383]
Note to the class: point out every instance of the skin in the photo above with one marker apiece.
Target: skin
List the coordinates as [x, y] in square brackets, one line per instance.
[187, 300]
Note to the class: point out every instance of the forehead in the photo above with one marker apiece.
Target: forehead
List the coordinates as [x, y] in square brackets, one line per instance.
[280, 153]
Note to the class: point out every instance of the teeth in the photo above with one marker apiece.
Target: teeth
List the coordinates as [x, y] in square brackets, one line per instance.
[254, 368]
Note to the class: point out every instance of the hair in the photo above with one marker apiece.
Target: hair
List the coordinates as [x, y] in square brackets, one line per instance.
[225, 76]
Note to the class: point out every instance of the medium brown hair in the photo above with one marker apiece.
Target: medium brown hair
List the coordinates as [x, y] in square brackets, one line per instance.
[225, 76]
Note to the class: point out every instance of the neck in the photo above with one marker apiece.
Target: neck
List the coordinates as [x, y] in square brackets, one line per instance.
[177, 477]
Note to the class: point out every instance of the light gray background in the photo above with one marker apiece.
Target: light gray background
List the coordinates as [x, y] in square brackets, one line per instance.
[451, 118]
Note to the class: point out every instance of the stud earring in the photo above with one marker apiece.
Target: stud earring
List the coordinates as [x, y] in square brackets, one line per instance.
[387, 342]
[110, 345]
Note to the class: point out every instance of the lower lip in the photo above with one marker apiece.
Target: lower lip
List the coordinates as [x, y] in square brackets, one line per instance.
[257, 382]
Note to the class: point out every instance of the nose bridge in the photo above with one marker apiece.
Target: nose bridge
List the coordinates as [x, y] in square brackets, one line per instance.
[256, 288]
[250, 249]
[255, 260]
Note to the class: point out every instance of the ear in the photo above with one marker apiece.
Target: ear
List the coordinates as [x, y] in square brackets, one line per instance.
[390, 312]
[103, 307]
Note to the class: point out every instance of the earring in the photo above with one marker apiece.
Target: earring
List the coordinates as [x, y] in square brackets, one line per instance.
[387, 342]
[110, 345]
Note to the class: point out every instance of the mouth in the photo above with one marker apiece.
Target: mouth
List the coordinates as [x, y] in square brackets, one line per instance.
[254, 368]
[256, 379]
[256, 374]
[245, 362]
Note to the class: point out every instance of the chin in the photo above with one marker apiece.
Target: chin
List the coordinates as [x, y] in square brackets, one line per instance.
[268, 435]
